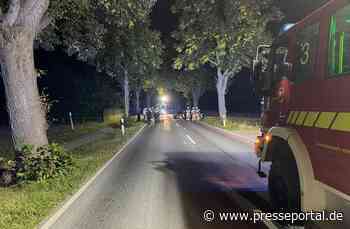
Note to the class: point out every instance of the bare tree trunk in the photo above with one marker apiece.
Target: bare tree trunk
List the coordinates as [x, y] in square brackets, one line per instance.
[149, 99]
[196, 94]
[126, 94]
[138, 107]
[27, 119]
[221, 87]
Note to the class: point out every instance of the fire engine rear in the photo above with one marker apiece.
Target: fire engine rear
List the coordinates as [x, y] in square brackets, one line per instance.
[304, 81]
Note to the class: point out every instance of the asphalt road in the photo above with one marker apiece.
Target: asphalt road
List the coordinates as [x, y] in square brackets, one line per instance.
[166, 179]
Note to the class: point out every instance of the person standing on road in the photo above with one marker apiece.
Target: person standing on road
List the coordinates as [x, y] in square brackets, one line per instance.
[149, 116]
[188, 113]
[144, 112]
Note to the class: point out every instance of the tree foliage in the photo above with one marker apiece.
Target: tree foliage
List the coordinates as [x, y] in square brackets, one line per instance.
[84, 28]
[222, 33]
[194, 82]
[129, 44]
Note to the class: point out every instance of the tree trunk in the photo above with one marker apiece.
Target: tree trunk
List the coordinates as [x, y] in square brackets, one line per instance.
[126, 94]
[196, 94]
[221, 87]
[149, 99]
[27, 119]
[138, 106]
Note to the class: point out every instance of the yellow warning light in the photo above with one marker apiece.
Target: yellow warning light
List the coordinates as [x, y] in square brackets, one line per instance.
[257, 141]
[268, 138]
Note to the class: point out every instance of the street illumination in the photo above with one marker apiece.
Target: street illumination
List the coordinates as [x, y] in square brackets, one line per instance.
[164, 98]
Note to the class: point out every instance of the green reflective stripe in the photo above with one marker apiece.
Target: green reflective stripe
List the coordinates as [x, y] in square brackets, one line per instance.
[295, 117]
[342, 122]
[325, 119]
[311, 119]
[290, 117]
[332, 44]
[341, 53]
[301, 118]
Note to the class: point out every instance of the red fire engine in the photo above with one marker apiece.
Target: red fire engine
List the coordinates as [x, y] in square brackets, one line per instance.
[305, 85]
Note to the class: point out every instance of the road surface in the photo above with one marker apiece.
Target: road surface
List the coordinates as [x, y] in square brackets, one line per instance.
[166, 179]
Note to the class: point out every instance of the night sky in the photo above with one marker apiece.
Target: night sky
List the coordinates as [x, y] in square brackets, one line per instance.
[67, 78]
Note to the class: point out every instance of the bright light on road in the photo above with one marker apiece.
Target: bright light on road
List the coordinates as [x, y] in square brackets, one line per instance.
[164, 99]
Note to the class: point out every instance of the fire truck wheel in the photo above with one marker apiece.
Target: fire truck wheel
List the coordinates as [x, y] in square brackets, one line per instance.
[284, 186]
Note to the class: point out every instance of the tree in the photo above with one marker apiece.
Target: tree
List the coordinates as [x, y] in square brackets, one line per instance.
[149, 87]
[20, 22]
[147, 60]
[132, 50]
[193, 84]
[223, 34]
[76, 25]
[23, 22]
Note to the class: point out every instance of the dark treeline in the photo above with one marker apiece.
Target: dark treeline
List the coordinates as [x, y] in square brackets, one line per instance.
[71, 86]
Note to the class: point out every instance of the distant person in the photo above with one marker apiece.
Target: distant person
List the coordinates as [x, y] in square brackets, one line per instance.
[157, 116]
[193, 115]
[188, 113]
[139, 116]
[149, 116]
[144, 112]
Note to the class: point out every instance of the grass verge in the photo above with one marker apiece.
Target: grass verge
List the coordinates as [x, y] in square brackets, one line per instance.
[25, 206]
[234, 123]
[58, 134]
[63, 133]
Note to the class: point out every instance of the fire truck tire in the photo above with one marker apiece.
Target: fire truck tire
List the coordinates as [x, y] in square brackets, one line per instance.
[284, 185]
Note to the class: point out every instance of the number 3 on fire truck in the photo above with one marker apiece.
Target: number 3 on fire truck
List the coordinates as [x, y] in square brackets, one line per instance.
[305, 48]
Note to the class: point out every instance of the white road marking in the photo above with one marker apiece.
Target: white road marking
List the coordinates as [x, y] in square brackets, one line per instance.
[243, 137]
[191, 139]
[246, 204]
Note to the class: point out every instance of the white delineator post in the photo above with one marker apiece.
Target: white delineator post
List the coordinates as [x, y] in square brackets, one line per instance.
[122, 126]
[71, 120]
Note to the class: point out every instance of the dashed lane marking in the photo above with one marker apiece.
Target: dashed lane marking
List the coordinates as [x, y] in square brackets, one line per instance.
[191, 139]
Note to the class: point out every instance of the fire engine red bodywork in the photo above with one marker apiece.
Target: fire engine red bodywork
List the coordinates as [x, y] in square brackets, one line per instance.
[321, 93]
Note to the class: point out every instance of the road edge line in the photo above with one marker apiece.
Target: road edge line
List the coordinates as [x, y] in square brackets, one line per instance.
[249, 205]
[46, 224]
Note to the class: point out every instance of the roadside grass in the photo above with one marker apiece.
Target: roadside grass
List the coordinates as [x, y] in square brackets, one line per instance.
[58, 134]
[234, 123]
[63, 133]
[25, 206]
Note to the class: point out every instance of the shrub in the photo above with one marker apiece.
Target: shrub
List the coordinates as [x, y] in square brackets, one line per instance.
[7, 172]
[37, 164]
[112, 116]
